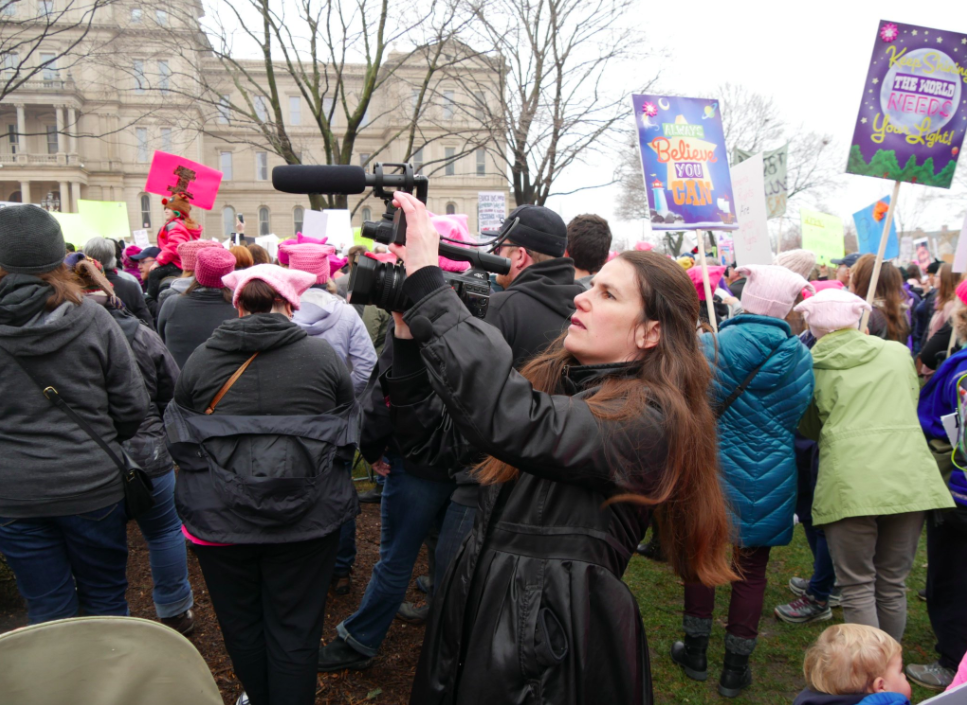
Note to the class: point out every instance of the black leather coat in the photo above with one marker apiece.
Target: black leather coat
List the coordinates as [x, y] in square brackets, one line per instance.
[533, 608]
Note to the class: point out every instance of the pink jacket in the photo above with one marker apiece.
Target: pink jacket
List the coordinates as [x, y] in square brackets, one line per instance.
[170, 236]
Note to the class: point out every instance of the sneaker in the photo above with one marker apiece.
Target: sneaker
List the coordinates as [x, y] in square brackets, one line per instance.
[342, 584]
[183, 623]
[425, 584]
[410, 613]
[931, 676]
[922, 594]
[337, 655]
[373, 496]
[652, 550]
[243, 699]
[804, 610]
[800, 586]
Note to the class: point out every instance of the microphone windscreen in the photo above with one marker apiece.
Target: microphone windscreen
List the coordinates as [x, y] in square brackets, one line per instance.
[304, 178]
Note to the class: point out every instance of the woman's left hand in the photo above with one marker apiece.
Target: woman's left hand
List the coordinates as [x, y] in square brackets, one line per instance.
[422, 239]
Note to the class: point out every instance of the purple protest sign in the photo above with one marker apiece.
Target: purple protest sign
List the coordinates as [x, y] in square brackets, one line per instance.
[913, 117]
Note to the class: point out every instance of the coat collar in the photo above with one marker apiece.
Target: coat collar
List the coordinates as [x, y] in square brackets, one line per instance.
[576, 378]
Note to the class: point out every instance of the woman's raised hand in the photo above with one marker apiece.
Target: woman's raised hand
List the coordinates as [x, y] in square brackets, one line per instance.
[422, 239]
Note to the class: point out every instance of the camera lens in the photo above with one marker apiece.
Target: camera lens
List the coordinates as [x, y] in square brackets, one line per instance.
[377, 283]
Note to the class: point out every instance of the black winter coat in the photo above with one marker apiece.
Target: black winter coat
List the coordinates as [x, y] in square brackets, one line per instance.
[131, 295]
[533, 608]
[186, 321]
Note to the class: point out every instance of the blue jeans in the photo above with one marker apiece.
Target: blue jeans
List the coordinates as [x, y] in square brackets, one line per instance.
[824, 577]
[409, 508]
[70, 563]
[457, 525]
[161, 529]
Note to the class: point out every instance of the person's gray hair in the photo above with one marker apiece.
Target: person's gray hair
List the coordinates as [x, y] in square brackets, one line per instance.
[102, 250]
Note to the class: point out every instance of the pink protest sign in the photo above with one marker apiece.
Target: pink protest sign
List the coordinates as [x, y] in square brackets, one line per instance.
[171, 174]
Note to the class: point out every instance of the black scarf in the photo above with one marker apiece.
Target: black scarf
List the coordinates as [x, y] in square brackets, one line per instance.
[22, 297]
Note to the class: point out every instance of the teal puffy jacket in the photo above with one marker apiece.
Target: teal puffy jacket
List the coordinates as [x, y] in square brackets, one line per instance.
[756, 433]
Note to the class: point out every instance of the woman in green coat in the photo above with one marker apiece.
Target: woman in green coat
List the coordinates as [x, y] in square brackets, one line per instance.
[876, 474]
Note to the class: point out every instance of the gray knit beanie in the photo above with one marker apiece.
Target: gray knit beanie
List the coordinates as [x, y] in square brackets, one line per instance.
[31, 241]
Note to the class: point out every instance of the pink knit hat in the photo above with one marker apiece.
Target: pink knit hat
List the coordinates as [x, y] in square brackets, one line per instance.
[644, 247]
[283, 257]
[188, 251]
[306, 240]
[820, 286]
[337, 263]
[454, 227]
[961, 291]
[770, 290]
[801, 262]
[714, 277]
[310, 258]
[832, 309]
[211, 264]
[288, 283]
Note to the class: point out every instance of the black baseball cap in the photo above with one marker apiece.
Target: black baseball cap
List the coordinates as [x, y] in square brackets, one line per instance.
[535, 227]
[935, 266]
[146, 252]
[848, 260]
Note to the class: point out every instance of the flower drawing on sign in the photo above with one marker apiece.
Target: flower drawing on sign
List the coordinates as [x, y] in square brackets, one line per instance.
[889, 32]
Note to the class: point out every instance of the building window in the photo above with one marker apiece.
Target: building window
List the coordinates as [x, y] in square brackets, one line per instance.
[261, 166]
[10, 8]
[327, 107]
[145, 210]
[16, 197]
[448, 108]
[417, 160]
[451, 165]
[481, 162]
[263, 221]
[298, 215]
[136, 15]
[261, 111]
[451, 208]
[45, 7]
[49, 62]
[51, 139]
[478, 98]
[11, 60]
[228, 220]
[415, 99]
[367, 214]
[365, 120]
[161, 16]
[225, 164]
[363, 159]
[139, 81]
[164, 71]
[224, 110]
[165, 139]
[295, 110]
[12, 135]
[142, 135]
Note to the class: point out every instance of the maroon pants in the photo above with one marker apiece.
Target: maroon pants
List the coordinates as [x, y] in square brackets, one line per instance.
[748, 594]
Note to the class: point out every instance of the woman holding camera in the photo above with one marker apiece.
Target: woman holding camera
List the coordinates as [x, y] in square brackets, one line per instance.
[612, 421]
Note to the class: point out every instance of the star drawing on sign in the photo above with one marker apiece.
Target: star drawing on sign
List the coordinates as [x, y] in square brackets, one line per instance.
[875, 81]
[914, 33]
[964, 40]
[863, 120]
[939, 39]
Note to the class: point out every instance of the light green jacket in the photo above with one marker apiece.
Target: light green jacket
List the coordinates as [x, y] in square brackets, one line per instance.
[873, 456]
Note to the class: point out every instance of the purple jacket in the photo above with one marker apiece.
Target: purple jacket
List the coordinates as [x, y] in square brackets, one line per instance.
[325, 316]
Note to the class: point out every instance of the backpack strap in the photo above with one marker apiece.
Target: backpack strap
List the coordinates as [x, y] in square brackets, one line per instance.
[228, 385]
[737, 392]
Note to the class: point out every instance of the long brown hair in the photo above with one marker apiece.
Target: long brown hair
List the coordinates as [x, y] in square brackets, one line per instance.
[948, 286]
[889, 294]
[674, 377]
[65, 284]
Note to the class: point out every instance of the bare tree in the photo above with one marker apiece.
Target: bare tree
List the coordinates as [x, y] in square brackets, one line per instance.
[40, 45]
[549, 106]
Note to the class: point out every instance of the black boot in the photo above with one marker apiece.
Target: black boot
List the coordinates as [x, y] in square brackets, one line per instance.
[736, 674]
[690, 655]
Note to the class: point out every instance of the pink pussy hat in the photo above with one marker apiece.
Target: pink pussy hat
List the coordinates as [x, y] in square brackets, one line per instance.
[188, 252]
[714, 277]
[821, 286]
[283, 257]
[212, 264]
[454, 227]
[310, 258]
[290, 284]
[306, 240]
[832, 309]
[770, 290]
[961, 291]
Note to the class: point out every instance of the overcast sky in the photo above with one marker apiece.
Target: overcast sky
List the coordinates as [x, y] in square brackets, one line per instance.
[811, 57]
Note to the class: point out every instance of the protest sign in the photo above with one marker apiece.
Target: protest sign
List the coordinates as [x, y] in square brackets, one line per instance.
[910, 125]
[922, 253]
[491, 210]
[685, 163]
[270, 243]
[75, 229]
[823, 235]
[960, 256]
[106, 218]
[171, 174]
[314, 224]
[339, 228]
[773, 175]
[358, 239]
[751, 239]
[869, 229]
[906, 250]
[726, 246]
[141, 238]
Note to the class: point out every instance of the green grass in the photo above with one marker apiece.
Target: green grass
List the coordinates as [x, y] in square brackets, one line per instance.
[777, 661]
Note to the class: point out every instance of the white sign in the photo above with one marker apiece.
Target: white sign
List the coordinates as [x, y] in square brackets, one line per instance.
[141, 238]
[314, 223]
[491, 210]
[334, 223]
[960, 256]
[270, 243]
[751, 240]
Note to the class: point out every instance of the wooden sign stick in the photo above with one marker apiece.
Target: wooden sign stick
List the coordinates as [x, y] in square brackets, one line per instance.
[887, 223]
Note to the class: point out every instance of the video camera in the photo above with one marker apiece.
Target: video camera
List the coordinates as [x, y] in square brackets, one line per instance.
[381, 283]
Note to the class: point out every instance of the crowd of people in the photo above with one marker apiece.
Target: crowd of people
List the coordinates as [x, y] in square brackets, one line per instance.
[530, 451]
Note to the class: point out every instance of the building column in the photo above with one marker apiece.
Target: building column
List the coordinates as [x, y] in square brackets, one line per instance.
[76, 195]
[21, 130]
[60, 130]
[65, 198]
[72, 129]
[25, 192]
